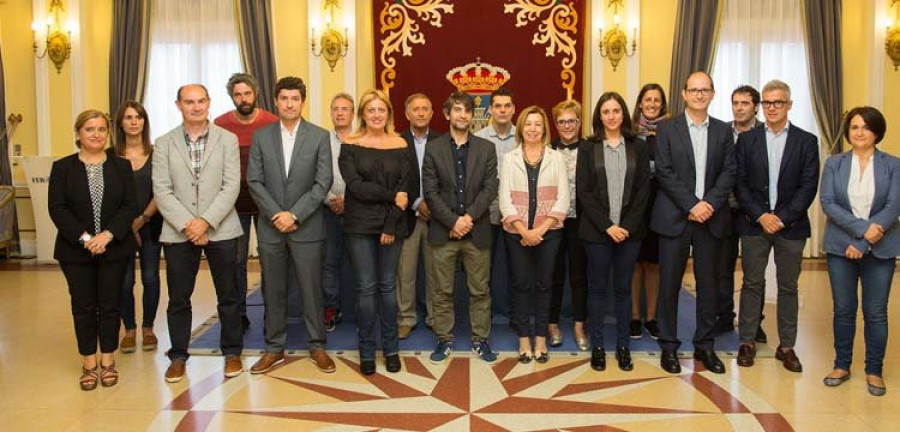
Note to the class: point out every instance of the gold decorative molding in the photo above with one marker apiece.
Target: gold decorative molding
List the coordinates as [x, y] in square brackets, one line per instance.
[398, 20]
[558, 30]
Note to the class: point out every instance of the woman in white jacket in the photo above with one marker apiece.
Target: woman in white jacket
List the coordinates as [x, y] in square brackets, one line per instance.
[534, 199]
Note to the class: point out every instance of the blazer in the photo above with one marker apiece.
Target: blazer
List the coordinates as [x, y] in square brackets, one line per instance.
[301, 191]
[798, 177]
[69, 203]
[439, 185]
[180, 197]
[843, 228]
[552, 189]
[415, 179]
[677, 177]
[593, 194]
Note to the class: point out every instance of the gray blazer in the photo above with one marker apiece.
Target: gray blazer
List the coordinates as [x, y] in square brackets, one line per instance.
[181, 198]
[302, 191]
[843, 227]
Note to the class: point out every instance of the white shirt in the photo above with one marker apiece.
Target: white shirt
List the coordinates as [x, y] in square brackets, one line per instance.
[502, 145]
[419, 142]
[287, 144]
[699, 133]
[775, 143]
[861, 189]
[337, 184]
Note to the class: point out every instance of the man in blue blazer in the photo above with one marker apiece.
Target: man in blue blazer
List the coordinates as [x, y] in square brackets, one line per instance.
[778, 171]
[696, 170]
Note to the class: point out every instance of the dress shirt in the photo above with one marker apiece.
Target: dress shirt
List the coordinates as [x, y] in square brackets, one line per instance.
[861, 189]
[775, 143]
[337, 185]
[699, 133]
[196, 148]
[419, 142]
[460, 156]
[616, 165]
[502, 145]
[287, 144]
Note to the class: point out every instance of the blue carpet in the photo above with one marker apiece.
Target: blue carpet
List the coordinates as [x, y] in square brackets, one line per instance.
[503, 338]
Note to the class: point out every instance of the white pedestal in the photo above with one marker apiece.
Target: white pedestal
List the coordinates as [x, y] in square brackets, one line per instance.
[37, 173]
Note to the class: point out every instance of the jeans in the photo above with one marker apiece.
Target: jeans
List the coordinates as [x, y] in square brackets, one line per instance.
[148, 253]
[242, 252]
[531, 279]
[375, 267]
[334, 254]
[876, 275]
[621, 259]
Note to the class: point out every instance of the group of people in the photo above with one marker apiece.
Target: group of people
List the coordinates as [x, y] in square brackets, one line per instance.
[622, 209]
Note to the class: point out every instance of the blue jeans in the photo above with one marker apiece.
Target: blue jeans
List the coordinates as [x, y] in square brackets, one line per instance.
[334, 253]
[620, 258]
[242, 252]
[149, 256]
[875, 274]
[375, 267]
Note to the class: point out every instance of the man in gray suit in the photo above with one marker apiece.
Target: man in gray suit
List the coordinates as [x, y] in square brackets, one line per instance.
[196, 180]
[289, 174]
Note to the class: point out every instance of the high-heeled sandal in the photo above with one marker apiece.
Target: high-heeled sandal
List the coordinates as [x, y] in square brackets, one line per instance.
[541, 357]
[89, 379]
[109, 376]
[525, 357]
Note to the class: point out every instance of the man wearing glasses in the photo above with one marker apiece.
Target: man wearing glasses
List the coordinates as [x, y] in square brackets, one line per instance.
[696, 170]
[778, 171]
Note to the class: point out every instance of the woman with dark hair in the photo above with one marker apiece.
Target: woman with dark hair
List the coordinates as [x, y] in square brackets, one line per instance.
[92, 203]
[132, 142]
[860, 194]
[650, 109]
[613, 186]
[380, 184]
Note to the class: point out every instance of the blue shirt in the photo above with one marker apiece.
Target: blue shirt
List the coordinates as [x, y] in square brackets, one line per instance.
[775, 150]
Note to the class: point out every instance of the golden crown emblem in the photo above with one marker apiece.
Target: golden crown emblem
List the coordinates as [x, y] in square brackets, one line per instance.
[478, 77]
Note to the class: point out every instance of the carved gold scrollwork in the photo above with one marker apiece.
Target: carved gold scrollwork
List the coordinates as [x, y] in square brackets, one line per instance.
[558, 30]
[399, 21]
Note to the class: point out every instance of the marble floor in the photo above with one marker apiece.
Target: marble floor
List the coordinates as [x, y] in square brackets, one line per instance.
[39, 369]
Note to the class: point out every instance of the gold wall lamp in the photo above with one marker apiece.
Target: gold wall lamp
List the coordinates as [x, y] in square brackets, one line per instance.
[613, 44]
[892, 34]
[333, 44]
[57, 42]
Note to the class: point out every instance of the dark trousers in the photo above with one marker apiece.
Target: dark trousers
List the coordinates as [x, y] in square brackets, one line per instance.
[875, 275]
[572, 248]
[334, 255]
[673, 255]
[95, 289]
[182, 264]
[375, 266]
[727, 265]
[619, 258]
[242, 254]
[148, 253]
[531, 276]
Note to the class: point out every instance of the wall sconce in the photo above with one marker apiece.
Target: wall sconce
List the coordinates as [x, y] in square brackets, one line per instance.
[614, 43]
[892, 34]
[333, 44]
[57, 42]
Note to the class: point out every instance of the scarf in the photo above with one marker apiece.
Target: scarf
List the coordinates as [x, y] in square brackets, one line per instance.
[646, 127]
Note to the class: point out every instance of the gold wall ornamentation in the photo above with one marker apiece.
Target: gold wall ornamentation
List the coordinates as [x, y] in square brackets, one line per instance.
[399, 21]
[558, 30]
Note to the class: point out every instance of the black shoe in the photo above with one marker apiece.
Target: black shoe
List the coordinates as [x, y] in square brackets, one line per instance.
[635, 329]
[541, 358]
[623, 356]
[652, 328]
[392, 363]
[723, 325]
[710, 361]
[525, 357]
[367, 367]
[745, 356]
[245, 322]
[761, 335]
[598, 359]
[669, 362]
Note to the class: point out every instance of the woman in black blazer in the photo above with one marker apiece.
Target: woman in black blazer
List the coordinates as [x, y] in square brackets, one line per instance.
[92, 203]
[613, 186]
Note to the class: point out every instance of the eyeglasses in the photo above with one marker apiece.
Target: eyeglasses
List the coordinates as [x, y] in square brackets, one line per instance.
[700, 91]
[776, 103]
[567, 122]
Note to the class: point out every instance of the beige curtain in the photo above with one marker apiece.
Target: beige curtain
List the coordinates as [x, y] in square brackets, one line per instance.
[129, 52]
[696, 33]
[254, 19]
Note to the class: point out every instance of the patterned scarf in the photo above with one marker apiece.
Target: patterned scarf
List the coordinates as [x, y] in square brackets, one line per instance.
[646, 127]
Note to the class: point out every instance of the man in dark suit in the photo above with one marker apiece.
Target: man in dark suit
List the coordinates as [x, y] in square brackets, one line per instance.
[459, 177]
[778, 171]
[289, 174]
[419, 113]
[696, 169]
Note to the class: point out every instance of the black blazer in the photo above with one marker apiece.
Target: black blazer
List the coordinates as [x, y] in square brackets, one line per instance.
[439, 185]
[593, 194]
[70, 208]
[798, 177]
[677, 177]
[414, 180]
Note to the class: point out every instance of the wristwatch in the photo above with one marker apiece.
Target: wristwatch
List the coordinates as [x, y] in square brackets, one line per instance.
[84, 238]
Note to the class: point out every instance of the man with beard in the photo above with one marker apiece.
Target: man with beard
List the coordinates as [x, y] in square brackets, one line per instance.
[245, 119]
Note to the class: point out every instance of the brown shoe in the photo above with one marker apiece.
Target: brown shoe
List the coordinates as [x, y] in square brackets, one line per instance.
[175, 372]
[233, 366]
[403, 331]
[127, 346]
[149, 341]
[746, 353]
[267, 362]
[788, 359]
[322, 361]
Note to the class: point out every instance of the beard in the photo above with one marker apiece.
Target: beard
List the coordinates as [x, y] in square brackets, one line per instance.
[246, 109]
